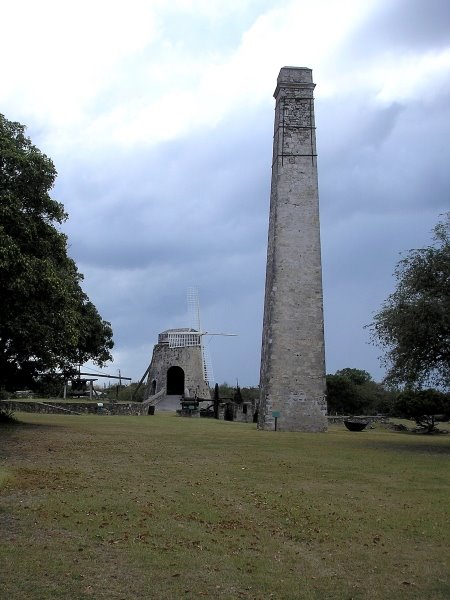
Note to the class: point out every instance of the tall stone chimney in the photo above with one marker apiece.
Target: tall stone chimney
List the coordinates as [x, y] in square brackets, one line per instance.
[292, 379]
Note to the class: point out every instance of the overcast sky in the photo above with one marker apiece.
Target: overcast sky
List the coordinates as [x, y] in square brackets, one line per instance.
[158, 115]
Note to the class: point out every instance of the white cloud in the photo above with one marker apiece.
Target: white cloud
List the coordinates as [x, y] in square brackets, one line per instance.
[63, 53]
[96, 73]
[413, 77]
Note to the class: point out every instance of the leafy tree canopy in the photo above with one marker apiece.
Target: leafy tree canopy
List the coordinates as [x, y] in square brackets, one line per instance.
[353, 391]
[413, 325]
[238, 394]
[226, 390]
[356, 376]
[423, 406]
[47, 322]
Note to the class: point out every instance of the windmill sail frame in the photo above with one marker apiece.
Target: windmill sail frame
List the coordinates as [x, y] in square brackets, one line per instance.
[193, 303]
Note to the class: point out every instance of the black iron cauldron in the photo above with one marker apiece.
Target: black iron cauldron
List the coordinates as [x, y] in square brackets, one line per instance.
[355, 425]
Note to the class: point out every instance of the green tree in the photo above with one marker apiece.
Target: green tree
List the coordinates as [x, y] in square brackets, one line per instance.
[250, 394]
[124, 393]
[423, 406]
[342, 395]
[356, 376]
[226, 391]
[353, 391]
[237, 396]
[413, 325]
[47, 322]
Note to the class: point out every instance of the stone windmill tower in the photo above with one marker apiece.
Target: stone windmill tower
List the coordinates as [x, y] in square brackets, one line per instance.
[180, 364]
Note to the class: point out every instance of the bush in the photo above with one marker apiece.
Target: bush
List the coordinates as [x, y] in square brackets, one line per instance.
[423, 406]
[353, 391]
[7, 416]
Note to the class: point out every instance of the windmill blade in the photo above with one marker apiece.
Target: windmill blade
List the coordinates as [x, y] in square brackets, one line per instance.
[208, 374]
[223, 334]
[193, 308]
[194, 319]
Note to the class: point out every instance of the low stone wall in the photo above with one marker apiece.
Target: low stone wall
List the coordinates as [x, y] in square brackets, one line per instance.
[371, 418]
[137, 408]
[74, 408]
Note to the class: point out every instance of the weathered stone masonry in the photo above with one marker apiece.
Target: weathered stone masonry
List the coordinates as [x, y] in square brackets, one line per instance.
[293, 358]
[189, 359]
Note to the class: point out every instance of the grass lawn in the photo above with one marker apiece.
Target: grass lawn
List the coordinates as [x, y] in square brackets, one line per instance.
[167, 508]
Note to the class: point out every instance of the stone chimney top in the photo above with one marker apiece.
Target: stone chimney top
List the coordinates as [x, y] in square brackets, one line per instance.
[298, 77]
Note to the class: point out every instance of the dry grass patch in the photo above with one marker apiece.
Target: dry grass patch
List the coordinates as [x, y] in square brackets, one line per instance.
[163, 507]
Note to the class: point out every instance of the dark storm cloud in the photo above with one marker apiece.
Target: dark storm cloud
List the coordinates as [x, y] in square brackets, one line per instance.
[384, 176]
[410, 25]
[384, 181]
[194, 212]
[149, 220]
[187, 201]
[189, 212]
[384, 158]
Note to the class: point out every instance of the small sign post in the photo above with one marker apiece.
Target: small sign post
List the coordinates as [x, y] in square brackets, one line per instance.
[276, 414]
